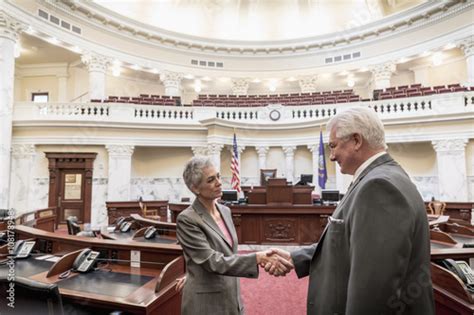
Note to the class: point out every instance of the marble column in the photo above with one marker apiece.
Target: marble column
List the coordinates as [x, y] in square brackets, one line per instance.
[240, 86]
[172, 82]
[9, 31]
[214, 151]
[97, 66]
[262, 157]
[62, 88]
[452, 175]
[342, 180]
[120, 172]
[314, 149]
[307, 84]
[23, 157]
[382, 74]
[467, 45]
[289, 162]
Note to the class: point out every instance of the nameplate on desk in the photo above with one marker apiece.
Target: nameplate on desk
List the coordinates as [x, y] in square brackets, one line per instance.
[135, 258]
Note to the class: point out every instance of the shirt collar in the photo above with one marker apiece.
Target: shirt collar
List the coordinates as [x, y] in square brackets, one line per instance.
[367, 162]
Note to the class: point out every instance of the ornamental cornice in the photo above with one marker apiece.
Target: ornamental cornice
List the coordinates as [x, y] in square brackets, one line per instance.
[10, 27]
[95, 62]
[23, 151]
[118, 150]
[449, 145]
[419, 16]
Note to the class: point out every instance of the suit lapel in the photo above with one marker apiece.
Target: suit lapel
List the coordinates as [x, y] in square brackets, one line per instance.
[379, 161]
[206, 217]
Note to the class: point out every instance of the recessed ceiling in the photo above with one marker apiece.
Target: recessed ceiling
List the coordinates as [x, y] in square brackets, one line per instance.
[257, 20]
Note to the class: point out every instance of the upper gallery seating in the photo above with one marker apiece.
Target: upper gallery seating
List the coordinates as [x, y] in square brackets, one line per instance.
[143, 99]
[416, 90]
[327, 97]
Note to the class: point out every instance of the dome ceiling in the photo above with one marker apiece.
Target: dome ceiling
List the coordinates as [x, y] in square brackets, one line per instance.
[256, 20]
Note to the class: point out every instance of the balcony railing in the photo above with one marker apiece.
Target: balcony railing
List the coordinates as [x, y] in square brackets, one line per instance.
[442, 104]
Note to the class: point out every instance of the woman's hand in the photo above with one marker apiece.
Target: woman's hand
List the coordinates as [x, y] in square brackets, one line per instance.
[180, 284]
[279, 264]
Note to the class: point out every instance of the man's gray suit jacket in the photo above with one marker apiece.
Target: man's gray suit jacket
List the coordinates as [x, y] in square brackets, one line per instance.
[212, 264]
[374, 255]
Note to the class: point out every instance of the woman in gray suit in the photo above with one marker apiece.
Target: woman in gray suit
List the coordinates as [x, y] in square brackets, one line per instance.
[209, 240]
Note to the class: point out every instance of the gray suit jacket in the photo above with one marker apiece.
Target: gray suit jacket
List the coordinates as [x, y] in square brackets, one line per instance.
[212, 264]
[374, 255]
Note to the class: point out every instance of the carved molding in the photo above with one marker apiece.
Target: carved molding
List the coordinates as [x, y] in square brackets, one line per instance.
[308, 84]
[262, 150]
[95, 62]
[214, 148]
[449, 145]
[23, 151]
[10, 27]
[289, 150]
[383, 71]
[199, 151]
[240, 86]
[467, 46]
[171, 79]
[120, 150]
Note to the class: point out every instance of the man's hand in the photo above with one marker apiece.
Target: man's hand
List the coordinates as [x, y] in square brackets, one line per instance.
[274, 263]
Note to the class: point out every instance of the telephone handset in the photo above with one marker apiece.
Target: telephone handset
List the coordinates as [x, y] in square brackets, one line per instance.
[23, 248]
[85, 260]
[119, 221]
[150, 232]
[125, 226]
[461, 269]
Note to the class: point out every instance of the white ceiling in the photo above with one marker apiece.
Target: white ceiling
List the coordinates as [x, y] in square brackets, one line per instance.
[256, 20]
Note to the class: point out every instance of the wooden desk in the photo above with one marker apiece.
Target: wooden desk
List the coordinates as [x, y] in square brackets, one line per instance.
[158, 261]
[116, 209]
[457, 210]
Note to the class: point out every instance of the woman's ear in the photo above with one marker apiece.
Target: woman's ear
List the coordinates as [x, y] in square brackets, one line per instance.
[195, 190]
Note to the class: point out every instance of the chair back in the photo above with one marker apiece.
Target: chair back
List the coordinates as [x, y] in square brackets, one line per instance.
[31, 297]
[72, 226]
[437, 207]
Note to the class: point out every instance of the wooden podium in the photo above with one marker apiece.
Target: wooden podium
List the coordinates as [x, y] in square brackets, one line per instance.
[278, 192]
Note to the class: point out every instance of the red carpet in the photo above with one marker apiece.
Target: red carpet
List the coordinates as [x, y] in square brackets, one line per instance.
[275, 296]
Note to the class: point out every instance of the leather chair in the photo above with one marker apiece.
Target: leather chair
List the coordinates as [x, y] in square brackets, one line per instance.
[436, 207]
[30, 297]
[73, 228]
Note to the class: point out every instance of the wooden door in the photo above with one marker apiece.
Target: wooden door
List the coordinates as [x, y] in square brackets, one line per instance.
[71, 194]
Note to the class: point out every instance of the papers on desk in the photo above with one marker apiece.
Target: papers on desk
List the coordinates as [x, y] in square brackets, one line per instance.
[110, 229]
[51, 258]
[433, 220]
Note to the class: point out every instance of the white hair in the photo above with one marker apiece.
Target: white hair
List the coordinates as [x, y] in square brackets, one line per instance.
[361, 120]
[193, 170]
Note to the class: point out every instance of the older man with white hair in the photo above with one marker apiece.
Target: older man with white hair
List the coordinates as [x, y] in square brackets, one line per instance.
[374, 255]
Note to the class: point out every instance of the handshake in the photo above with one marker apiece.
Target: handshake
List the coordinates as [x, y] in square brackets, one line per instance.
[276, 262]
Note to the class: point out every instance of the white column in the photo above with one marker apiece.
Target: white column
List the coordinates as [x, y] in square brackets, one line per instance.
[314, 148]
[307, 84]
[120, 171]
[467, 45]
[97, 66]
[452, 175]
[62, 88]
[199, 151]
[240, 86]
[342, 180]
[9, 30]
[23, 156]
[289, 162]
[262, 158]
[214, 150]
[382, 74]
[172, 82]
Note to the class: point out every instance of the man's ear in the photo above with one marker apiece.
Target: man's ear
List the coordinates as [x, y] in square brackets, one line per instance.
[358, 141]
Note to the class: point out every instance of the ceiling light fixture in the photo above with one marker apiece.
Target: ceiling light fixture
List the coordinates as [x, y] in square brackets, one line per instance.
[189, 76]
[17, 49]
[449, 46]
[135, 67]
[53, 40]
[206, 78]
[154, 71]
[437, 58]
[256, 80]
[197, 86]
[116, 71]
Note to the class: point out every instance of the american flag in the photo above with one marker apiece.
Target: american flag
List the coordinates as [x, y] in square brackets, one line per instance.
[234, 167]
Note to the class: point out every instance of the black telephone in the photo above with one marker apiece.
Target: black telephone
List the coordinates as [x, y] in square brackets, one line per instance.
[85, 260]
[150, 232]
[125, 226]
[23, 248]
[461, 269]
[119, 221]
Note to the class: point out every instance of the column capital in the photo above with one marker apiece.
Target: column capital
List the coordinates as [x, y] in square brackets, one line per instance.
[240, 86]
[262, 150]
[289, 150]
[383, 70]
[449, 145]
[307, 83]
[314, 148]
[199, 150]
[10, 27]
[95, 62]
[467, 46]
[171, 78]
[120, 150]
[214, 148]
[21, 151]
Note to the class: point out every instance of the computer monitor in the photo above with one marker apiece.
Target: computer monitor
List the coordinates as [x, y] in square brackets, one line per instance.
[330, 195]
[305, 179]
[229, 196]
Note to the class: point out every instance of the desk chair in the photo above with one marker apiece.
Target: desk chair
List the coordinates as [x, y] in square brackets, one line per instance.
[146, 213]
[436, 207]
[31, 297]
[73, 228]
